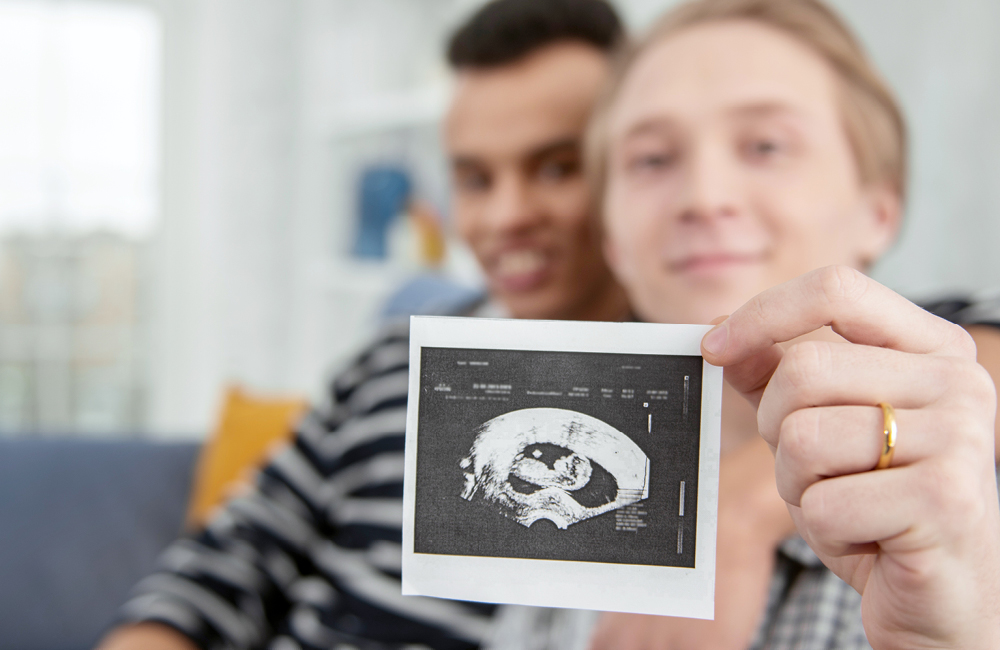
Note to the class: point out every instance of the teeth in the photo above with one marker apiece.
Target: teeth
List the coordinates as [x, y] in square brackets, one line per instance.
[520, 262]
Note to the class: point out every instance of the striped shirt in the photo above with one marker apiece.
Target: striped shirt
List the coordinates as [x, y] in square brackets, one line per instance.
[311, 557]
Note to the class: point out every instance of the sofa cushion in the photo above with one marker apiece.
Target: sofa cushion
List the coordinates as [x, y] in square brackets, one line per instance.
[80, 522]
[250, 429]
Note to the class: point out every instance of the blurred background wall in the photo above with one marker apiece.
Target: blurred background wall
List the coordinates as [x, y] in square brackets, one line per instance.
[179, 184]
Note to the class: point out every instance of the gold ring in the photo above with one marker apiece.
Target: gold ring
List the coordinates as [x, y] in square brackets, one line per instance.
[889, 431]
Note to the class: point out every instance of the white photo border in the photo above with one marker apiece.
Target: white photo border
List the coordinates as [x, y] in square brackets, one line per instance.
[641, 589]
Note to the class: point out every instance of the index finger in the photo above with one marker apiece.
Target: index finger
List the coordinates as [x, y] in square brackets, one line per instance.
[857, 308]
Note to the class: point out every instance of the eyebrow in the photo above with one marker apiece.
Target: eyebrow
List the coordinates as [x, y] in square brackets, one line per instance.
[647, 125]
[659, 124]
[765, 109]
[557, 146]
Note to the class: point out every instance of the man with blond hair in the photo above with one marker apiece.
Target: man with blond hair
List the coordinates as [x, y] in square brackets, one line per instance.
[751, 161]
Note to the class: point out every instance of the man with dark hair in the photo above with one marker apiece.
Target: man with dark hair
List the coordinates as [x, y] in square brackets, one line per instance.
[310, 558]
[504, 32]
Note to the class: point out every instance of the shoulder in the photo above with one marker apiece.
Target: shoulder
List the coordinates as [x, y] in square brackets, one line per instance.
[977, 309]
[388, 351]
[431, 295]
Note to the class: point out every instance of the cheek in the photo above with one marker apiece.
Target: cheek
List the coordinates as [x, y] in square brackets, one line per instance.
[810, 223]
[568, 205]
[468, 217]
[631, 230]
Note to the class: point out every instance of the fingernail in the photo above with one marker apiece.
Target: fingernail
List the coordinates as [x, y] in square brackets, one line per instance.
[716, 340]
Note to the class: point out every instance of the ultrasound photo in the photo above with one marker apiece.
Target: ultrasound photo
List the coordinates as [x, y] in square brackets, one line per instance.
[539, 453]
[536, 454]
[555, 464]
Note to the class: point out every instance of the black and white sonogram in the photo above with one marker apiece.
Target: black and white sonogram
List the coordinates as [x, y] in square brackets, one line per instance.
[562, 464]
[555, 464]
[583, 456]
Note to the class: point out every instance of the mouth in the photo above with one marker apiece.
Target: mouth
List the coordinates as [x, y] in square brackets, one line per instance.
[711, 264]
[520, 269]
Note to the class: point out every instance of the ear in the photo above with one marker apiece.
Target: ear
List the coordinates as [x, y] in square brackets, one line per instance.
[881, 217]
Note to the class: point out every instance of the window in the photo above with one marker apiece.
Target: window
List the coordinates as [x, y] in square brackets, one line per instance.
[79, 199]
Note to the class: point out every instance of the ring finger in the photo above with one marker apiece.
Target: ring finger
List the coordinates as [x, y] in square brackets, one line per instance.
[840, 374]
[822, 442]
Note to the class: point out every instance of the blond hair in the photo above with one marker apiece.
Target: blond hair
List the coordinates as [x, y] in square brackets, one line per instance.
[872, 118]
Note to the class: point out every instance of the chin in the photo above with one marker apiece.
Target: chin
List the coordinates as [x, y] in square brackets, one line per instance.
[535, 306]
[690, 306]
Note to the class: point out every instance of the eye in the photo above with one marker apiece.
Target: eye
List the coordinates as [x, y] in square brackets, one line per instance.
[764, 147]
[472, 181]
[651, 161]
[558, 170]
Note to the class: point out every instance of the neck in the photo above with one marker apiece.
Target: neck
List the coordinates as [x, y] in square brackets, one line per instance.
[607, 302]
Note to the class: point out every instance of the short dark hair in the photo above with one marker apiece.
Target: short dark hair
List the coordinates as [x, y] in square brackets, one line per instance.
[503, 31]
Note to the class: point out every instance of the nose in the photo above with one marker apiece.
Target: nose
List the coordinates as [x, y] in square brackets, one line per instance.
[713, 187]
[512, 207]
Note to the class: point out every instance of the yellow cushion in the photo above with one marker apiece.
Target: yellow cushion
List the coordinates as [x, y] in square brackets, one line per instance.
[249, 430]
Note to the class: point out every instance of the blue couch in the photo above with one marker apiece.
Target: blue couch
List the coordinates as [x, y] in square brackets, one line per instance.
[80, 522]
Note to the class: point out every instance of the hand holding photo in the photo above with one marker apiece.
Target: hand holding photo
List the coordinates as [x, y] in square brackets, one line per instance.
[562, 464]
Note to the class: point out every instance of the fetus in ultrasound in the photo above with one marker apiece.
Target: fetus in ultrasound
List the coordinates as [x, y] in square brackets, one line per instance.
[554, 464]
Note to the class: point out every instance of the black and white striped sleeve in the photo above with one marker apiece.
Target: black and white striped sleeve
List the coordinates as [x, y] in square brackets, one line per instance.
[310, 558]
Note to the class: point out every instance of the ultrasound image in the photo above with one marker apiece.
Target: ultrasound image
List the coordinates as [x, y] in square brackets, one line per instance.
[537, 455]
[551, 454]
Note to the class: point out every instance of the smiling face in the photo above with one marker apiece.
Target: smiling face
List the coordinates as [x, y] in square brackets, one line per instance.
[521, 202]
[730, 171]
